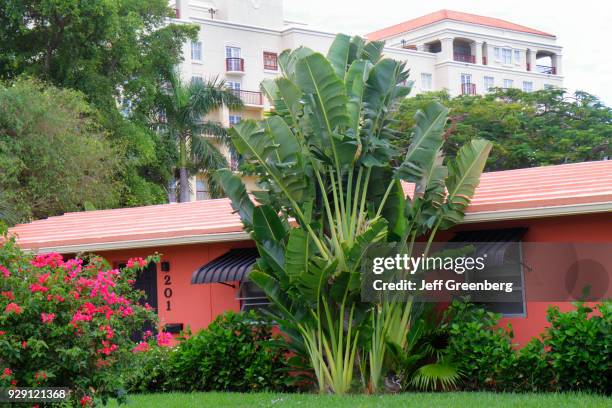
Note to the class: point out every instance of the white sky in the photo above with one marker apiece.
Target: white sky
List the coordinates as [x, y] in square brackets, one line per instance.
[583, 28]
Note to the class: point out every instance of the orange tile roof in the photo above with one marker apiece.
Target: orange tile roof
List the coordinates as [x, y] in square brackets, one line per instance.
[499, 192]
[450, 15]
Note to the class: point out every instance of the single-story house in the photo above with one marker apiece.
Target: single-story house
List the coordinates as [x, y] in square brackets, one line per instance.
[206, 255]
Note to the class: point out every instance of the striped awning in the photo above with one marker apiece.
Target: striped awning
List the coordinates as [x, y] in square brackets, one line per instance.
[231, 266]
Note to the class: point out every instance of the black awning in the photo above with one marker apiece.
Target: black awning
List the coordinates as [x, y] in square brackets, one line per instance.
[496, 243]
[231, 266]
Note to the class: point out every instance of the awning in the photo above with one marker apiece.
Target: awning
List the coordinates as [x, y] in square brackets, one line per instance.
[495, 243]
[231, 266]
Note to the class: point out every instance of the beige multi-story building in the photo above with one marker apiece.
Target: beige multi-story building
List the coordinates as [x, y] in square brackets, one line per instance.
[240, 40]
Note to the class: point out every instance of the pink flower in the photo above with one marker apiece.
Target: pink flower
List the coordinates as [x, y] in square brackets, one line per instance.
[147, 334]
[51, 259]
[107, 348]
[2, 332]
[86, 401]
[7, 372]
[47, 317]
[5, 271]
[13, 307]
[136, 262]
[164, 339]
[35, 287]
[141, 347]
[9, 295]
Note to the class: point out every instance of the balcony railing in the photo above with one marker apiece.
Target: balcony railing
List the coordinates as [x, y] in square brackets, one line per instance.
[468, 89]
[249, 97]
[234, 64]
[484, 60]
[528, 66]
[471, 59]
[545, 69]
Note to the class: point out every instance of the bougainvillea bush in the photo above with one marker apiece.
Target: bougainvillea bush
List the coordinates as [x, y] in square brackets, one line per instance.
[67, 323]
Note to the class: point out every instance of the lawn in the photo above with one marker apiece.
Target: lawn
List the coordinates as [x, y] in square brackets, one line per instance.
[439, 400]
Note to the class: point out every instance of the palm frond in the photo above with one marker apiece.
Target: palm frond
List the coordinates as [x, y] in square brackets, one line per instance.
[440, 375]
[207, 159]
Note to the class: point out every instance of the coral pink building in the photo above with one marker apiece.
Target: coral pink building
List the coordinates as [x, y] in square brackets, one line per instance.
[206, 255]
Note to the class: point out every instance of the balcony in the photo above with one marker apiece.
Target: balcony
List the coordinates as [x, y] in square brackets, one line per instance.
[470, 59]
[249, 97]
[545, 69]
[468, 89]
[234, 65]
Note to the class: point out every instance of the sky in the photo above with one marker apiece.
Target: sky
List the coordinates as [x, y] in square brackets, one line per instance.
[583, 28]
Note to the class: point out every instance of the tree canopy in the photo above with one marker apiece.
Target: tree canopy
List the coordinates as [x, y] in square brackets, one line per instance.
[118, 54]
[527, 129]
[53, 154]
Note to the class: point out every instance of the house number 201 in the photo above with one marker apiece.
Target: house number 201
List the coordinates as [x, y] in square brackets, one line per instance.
[168, 291]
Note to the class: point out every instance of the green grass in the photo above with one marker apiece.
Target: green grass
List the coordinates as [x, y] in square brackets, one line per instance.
[439, 400]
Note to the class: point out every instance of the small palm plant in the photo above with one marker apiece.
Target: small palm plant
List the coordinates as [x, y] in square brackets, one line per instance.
[185, 107]
[331, 187]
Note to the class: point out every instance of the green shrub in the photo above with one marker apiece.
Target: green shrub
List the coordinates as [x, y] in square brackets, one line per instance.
[148, 371]
[572, 355]
[481, 351]
[532, 372]
[236, 352]
[578, 345]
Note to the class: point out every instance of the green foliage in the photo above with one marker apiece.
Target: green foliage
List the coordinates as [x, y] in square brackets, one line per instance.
[67, 323]
[148, 370]
[531, 129]
[324, 158]
[572, 355]
[118, 54]
[236, 352]
[481, 351]
[54, 156]
[578, 348]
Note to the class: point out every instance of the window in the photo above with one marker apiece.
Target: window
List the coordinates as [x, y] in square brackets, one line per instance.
[489, 83]
[527, 86]
[508, 83]
[270, 61]
[234, 119]
[506, 56]
[197, 78]
[252, 297]
[201, 189]
[504, 264]
[496, 53]
[232, 52]
[233, 85]
[426, 81]
[517, 56]
[196, 51]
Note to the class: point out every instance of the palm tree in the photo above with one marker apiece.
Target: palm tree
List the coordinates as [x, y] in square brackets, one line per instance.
[185, 106]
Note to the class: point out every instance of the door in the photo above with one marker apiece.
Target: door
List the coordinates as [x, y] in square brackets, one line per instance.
[466, 84]
[146, 281]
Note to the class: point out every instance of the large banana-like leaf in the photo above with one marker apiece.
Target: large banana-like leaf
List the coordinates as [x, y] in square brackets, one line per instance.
[338, 54]
[297, 253]
[288, 59]
[372, 51]
[267, 226]
[291, 96]
[315, 76]
[235, 190]
[356, 77]
[276, 149]
[427, 139]
[463, 177]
